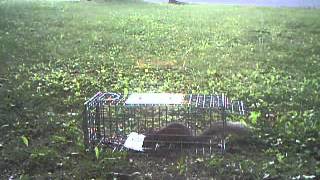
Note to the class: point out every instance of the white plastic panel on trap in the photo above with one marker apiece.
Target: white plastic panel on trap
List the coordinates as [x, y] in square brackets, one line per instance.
[134, 141]
[155, 98]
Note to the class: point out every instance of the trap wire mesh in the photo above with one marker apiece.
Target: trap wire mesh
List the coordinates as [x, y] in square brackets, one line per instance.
[169, 121]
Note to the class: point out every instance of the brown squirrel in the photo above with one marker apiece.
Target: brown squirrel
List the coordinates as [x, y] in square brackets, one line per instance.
[172, 133]
[179, 133]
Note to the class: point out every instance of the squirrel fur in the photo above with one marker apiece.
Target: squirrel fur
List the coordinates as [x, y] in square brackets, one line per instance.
[179, 133]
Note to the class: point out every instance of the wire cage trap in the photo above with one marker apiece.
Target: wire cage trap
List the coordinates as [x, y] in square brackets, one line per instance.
[166, 121]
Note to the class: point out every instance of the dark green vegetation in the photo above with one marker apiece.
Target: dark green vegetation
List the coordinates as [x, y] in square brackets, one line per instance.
[55, 55]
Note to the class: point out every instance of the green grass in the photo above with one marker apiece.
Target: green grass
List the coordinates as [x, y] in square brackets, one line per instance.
[55, 55]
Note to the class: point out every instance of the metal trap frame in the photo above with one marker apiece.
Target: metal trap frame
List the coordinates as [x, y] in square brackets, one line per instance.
[108, 118]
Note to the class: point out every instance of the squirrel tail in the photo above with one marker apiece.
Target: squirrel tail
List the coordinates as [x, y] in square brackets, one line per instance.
[236, 129]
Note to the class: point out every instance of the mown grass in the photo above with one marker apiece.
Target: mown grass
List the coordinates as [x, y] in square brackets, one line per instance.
[55, 55]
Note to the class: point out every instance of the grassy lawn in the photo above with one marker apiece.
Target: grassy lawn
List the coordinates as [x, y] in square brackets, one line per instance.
[55, 55]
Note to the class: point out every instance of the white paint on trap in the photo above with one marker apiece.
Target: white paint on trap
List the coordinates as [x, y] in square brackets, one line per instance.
[134, 141]
[155, 98]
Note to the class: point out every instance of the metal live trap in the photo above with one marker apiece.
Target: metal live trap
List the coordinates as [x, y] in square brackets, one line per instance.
[110, 118]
